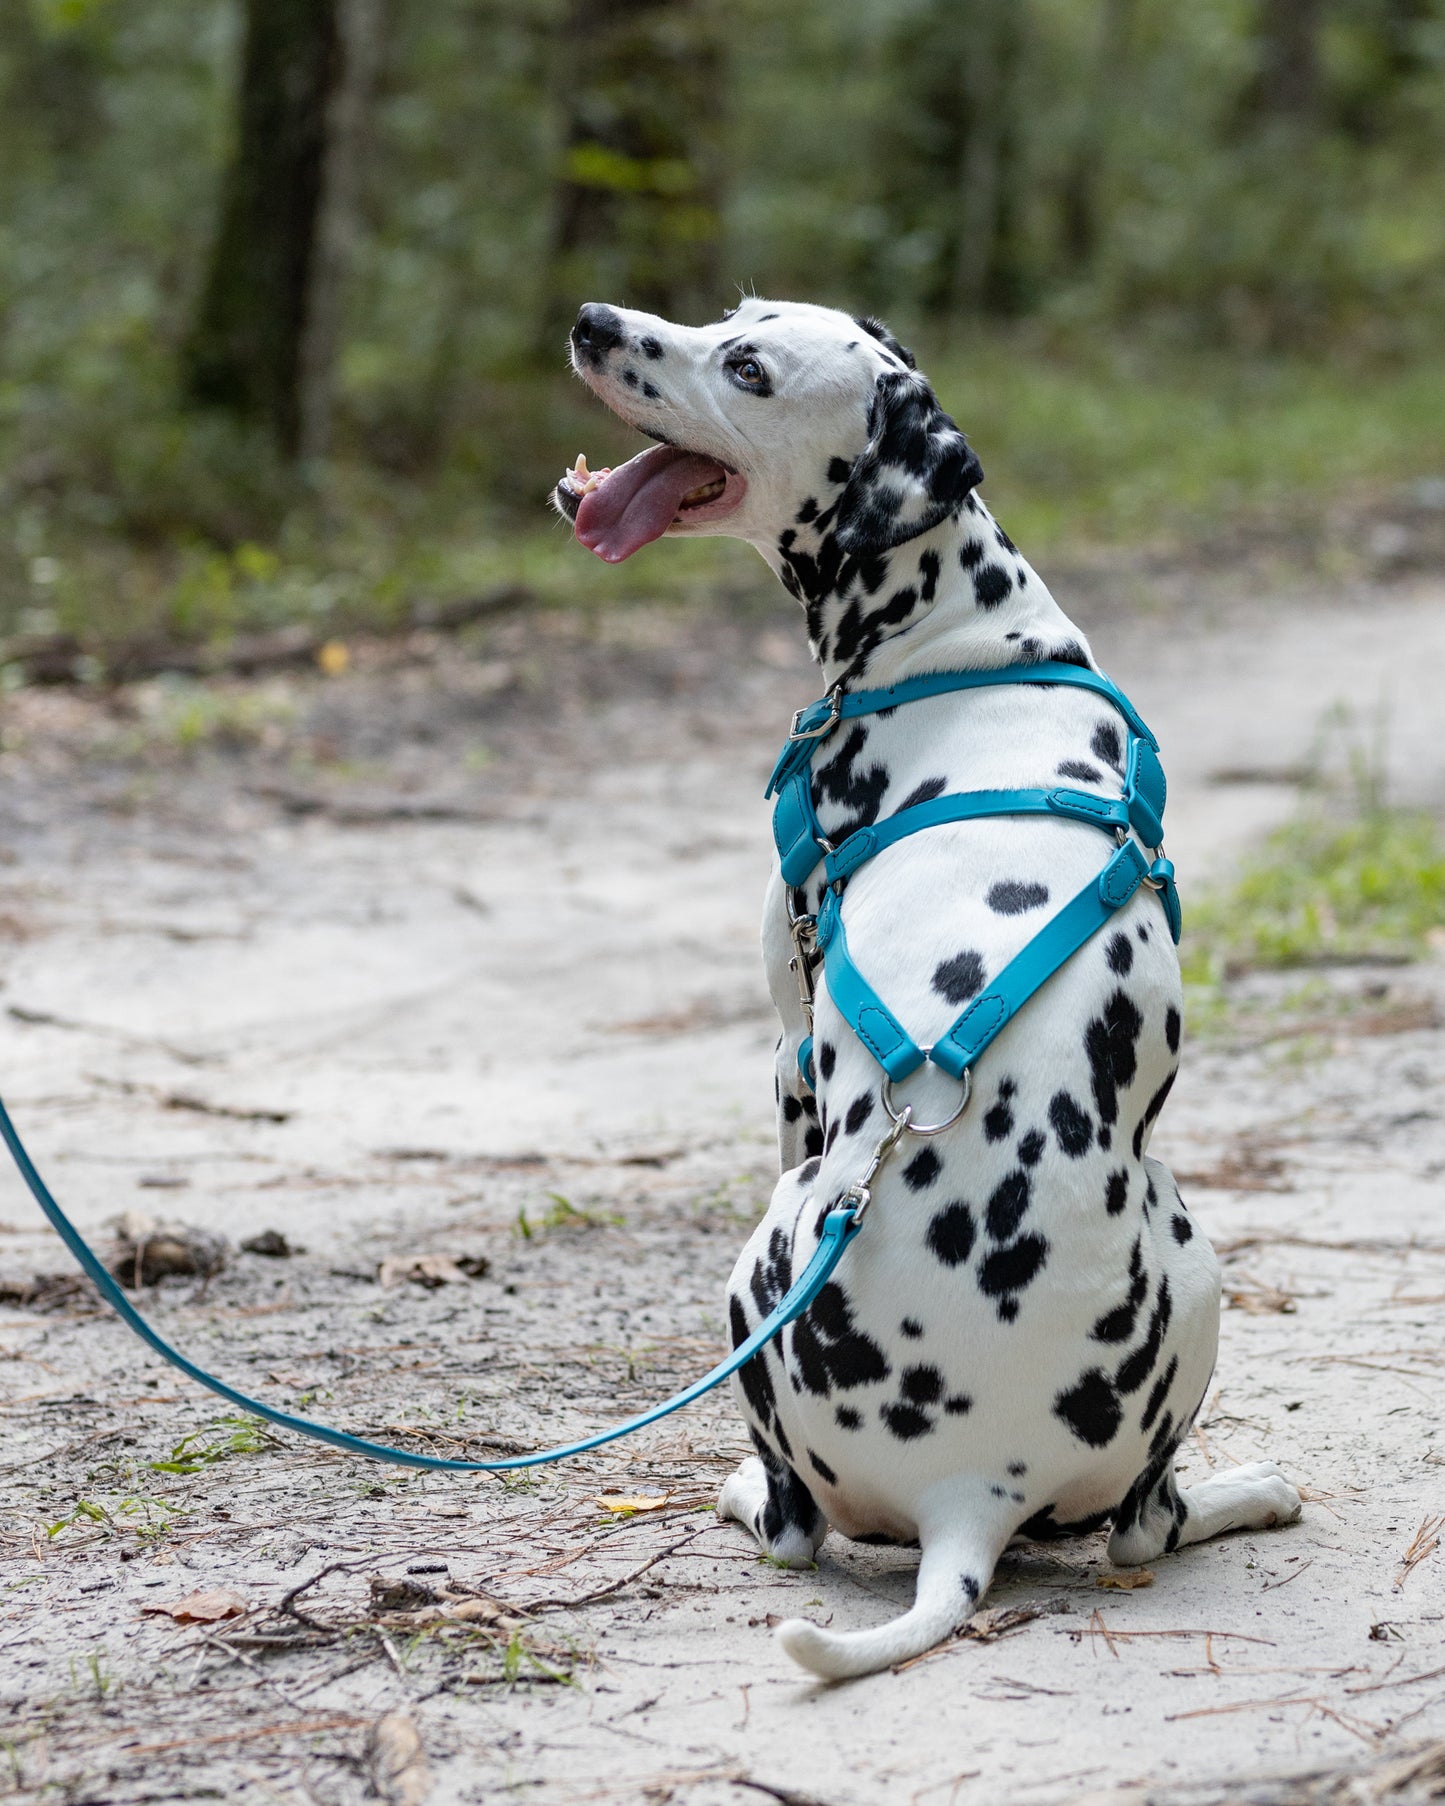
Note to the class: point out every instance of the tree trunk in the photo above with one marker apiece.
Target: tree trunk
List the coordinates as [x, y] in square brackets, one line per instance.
[264, 337]
[1080, 202]
[637, 208]
[988, 260]
[1288, 84]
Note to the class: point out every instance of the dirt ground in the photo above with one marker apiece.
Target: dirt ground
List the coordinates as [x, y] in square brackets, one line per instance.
[452, 960]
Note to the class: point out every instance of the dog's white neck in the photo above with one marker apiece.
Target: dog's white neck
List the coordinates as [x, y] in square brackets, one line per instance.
[958, 597]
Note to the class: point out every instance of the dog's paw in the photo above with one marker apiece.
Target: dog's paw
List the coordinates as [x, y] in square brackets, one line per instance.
[744, 1493]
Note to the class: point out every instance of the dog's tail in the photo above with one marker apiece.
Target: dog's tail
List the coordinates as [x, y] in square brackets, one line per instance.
[956, 1566]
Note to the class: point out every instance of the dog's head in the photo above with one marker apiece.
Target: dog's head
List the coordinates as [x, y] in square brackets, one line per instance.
[779, 416]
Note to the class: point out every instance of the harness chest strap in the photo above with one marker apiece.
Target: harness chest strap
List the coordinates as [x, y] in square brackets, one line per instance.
[800, 839]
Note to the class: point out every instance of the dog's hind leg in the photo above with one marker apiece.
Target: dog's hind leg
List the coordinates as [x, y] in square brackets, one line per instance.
[1159, 1516]
[768, 1499]
[962, 1539]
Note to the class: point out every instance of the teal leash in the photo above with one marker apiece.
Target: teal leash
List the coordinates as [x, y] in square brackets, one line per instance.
[839, 1228]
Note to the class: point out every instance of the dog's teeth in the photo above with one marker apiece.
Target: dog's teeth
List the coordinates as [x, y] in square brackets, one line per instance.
[583, 481]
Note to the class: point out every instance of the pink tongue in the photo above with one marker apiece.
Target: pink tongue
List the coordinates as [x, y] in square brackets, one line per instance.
[640, 500]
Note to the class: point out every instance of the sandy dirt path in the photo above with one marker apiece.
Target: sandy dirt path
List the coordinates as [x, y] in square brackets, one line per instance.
[456, 956]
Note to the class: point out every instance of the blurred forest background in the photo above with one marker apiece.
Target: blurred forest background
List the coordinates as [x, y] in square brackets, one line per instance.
[284, 284]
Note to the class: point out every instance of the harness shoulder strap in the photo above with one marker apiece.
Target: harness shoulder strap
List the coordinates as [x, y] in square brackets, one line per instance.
[966, 1038]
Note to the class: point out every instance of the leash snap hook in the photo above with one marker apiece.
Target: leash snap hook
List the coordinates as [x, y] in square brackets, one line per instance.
[861, 1190]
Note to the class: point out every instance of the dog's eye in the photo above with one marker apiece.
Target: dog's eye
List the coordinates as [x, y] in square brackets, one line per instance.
[750, 373]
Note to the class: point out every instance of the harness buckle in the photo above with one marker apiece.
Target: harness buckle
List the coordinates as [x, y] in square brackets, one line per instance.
[834, 700]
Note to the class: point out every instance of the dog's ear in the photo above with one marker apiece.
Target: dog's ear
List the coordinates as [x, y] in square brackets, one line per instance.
[877, 330]
[915, 470]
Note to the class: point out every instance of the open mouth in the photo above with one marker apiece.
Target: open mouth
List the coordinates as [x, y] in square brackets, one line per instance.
[615, 512]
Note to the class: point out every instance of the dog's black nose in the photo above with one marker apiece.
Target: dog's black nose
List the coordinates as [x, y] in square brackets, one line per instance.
[598, 329]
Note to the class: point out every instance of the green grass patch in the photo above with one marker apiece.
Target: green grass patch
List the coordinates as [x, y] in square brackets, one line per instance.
[1323, 891]
[1107, 442]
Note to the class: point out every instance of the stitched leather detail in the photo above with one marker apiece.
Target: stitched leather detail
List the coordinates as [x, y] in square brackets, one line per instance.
[1120, 878]
[1079, 802]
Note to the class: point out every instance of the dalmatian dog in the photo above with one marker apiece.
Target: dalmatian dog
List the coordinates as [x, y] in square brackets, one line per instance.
[1021, 1334]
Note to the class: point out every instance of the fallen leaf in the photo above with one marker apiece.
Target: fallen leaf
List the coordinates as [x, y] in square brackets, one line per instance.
[1127, 1582]
[398, 1765]
[624, 1504]
[431, 1270]
[201, 1608]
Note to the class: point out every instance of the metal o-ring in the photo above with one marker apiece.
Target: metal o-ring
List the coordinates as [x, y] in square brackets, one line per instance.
[904, 1116]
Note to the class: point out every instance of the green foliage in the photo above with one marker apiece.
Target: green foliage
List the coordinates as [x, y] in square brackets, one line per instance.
[1226, 292]
[227, 1436]
[1323, 889]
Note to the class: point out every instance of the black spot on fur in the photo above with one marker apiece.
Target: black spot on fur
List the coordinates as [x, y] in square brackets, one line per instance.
[952, 1233]
[921, 1385]
[1172, 1026]
[650, 347]
[1012, 897]
[1017, 1469]
[1072, 1124]
[1155, 1105]
[1107, 746]
[808, 511]
[922, 793]
[830, 1351]
[792, 1109]
[1012, 1268]
[757, 1382]
[839, 470]
[1111, 1041]
[1138, 1366]
[905, 1421]
[912, 1328]
[1116, 1192]
[1159, 1393]
[1070, 653]
[922, 1170]
[928, 569]
[808, 1171]
[1119, 954]
[847, 1418]
[1002, 539]
[1085, 774]
[1091, 1409]
[959, 1405]
[859, 1111]
[860, 793]
[1031, 1148]
[970, 553]
[827, 1058]
[831, 1136]
[998, 1121]
[813, 1141]
[652, 392]
[821, 1468]
[1182, 1228]
[961, 977]
[1006, 1207]
[1118, 1325]
[992, 585]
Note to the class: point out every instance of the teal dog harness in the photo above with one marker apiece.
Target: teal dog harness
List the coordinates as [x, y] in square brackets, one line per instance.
[801, 846]
[1134, 821]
